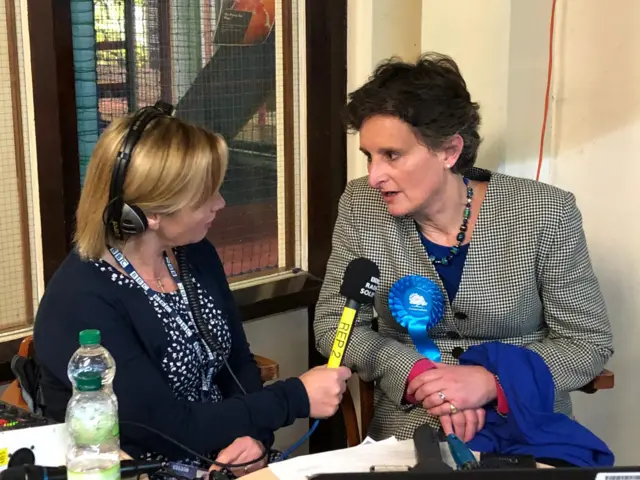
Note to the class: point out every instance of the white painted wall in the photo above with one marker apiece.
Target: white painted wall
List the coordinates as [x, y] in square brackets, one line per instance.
[479, 43]
[527, 75]
[377, 29]
[284, 338]
[595, 145]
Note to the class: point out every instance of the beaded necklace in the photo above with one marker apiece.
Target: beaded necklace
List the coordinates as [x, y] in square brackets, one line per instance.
[453, 251]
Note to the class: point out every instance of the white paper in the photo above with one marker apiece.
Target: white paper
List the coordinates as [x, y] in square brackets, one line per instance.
[367, 441]
[370, 440]
[389, 452]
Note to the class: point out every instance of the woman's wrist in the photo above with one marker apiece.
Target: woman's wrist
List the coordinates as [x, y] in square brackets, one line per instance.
[298, 397]
[419, 367]
[492, 386]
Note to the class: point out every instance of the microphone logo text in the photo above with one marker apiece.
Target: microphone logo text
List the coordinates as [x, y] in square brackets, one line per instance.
[369, 289]
[342, 335]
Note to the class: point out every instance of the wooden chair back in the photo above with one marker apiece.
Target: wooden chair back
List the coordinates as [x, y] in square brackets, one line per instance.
[13, 393]
[269, 370]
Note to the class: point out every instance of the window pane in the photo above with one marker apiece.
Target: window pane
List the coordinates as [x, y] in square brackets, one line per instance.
[18, 282]
[216, 60]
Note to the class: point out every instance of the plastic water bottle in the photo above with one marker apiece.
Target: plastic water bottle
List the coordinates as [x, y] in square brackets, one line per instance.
[93, 357]
[93, 451]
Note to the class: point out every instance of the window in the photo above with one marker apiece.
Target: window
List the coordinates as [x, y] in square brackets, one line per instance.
[228, 65]
[46, 85]
[18, 238]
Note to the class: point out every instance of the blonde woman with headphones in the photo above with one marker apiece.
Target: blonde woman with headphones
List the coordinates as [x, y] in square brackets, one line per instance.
[143, 273]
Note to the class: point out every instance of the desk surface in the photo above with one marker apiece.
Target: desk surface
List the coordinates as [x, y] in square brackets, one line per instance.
[264, 474]
[268, 474]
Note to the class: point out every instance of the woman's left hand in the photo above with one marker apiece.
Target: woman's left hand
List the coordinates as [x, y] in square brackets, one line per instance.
[446, 389]
[242, 450]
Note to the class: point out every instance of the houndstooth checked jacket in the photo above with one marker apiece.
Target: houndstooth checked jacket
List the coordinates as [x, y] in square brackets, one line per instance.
[527, 280]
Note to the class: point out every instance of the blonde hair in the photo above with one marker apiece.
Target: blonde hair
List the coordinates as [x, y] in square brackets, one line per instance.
[174, 165]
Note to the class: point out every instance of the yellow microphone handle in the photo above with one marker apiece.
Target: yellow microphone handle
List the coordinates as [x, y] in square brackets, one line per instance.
[342, 335]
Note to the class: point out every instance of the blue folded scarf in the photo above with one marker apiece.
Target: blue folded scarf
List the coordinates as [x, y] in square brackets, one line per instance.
[531, 426]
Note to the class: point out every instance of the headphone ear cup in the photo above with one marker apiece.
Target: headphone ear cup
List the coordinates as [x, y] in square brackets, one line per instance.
[133, 221]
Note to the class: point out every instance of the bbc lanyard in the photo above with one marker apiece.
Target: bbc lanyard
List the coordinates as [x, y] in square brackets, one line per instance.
[156, 297]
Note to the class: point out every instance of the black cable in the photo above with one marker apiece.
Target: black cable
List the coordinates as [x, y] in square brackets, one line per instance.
[194, 305]
[193, 452]
[205, 334]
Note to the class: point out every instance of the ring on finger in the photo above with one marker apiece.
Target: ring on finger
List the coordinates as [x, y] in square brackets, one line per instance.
[441, 395]
[453, 408]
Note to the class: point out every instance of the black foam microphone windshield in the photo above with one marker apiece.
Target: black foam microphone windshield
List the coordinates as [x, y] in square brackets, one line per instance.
[22, 456]
[359, 284]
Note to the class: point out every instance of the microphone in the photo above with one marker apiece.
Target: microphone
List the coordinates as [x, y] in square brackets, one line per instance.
[427, 447]
[359, 285]
[128, 468]
[22, 456]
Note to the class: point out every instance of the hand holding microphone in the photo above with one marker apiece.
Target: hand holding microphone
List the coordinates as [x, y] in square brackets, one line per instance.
[325, 385]
[359, 286]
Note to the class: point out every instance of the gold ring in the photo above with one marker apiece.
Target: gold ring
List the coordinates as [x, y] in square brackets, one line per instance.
[453, 408]
[441, 395]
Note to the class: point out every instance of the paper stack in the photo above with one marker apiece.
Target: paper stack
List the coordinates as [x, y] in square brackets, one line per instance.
[389, 452]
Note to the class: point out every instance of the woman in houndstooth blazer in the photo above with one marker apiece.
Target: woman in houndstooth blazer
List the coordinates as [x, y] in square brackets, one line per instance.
[510, 255]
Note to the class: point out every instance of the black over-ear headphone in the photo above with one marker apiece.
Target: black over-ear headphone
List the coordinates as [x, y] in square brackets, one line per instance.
[121, 218]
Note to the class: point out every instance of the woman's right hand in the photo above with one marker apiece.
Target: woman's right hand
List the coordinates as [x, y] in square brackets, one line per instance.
[325, 387]
[464, 424]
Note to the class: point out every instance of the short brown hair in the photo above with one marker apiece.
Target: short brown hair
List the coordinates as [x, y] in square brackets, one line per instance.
[430, 95]
[174, 165]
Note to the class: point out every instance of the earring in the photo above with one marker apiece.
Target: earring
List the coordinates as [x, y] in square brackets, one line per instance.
[447, 165]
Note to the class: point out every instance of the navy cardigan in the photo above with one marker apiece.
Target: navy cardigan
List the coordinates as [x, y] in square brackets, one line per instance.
[79, 297]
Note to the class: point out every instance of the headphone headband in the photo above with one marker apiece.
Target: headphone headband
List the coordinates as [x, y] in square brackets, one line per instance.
[120, 218]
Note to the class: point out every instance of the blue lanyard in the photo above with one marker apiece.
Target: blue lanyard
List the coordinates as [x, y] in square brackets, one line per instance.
[156, 297]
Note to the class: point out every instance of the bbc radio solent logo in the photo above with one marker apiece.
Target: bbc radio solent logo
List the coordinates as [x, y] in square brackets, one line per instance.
[370, 288]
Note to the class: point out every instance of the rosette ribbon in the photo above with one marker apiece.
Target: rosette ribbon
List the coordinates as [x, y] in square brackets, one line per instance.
[417, 304]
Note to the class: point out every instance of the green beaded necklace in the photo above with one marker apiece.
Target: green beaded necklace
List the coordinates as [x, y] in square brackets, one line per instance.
[453, 251]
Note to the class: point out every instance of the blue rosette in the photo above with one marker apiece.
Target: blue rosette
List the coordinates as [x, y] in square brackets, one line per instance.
[417, 304]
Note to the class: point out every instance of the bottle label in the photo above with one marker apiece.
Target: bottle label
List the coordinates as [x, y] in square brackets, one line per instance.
[92, 429]
[112, 473]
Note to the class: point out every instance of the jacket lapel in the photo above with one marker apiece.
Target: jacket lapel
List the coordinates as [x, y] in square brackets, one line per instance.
[476, 256]
[421, 265]
[480, 251]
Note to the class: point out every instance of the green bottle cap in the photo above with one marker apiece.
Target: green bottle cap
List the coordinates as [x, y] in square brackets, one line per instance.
[90, 337]
[88, 382]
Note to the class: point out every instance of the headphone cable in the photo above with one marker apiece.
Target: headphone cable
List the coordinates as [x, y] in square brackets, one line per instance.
[194, 305]
[193, 452]
[205, 334]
